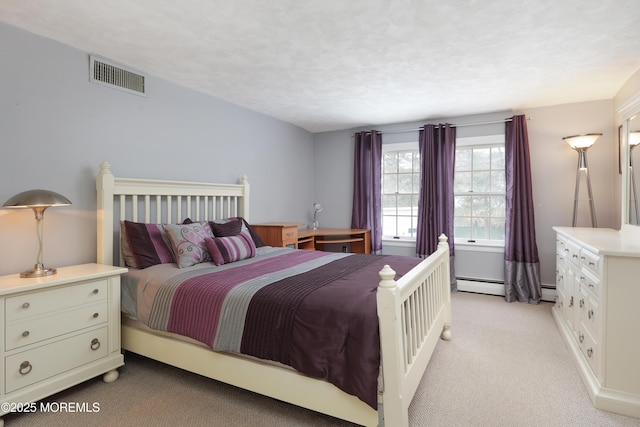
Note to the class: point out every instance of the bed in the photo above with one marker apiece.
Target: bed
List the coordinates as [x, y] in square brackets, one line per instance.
[413, 312]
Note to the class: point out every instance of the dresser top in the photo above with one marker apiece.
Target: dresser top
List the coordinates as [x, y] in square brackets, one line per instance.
[14, 283]
[605, 241]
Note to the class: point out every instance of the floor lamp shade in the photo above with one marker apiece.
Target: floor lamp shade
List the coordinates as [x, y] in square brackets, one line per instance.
[581, 144]
[39, 201]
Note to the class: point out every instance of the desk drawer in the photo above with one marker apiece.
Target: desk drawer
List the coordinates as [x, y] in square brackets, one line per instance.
[29, 367]
[40, 302]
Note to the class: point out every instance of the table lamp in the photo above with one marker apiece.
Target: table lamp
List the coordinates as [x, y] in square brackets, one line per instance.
[39, 201]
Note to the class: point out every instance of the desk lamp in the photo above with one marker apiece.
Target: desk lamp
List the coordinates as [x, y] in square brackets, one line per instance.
[39, 201]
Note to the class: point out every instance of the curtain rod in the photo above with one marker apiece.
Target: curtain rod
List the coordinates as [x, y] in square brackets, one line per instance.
[458, 125]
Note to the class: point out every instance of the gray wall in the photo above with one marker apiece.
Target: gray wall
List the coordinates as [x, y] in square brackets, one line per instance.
[56, 128]
[553, 164]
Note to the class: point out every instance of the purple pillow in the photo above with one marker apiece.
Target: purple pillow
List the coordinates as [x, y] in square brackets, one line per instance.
[224, 250]
[148, 243]
[226, 229]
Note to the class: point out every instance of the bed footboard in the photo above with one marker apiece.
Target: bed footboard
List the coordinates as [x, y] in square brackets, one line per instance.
[414, 313]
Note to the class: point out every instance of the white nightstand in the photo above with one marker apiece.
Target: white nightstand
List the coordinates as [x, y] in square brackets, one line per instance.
[58, 331]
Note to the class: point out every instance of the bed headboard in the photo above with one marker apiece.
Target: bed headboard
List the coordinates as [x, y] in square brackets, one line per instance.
[159, 201]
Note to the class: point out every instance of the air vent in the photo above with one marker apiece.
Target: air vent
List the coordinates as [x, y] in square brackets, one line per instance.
[107, 73]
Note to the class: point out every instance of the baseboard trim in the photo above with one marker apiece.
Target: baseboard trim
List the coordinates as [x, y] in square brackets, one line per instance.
[493, 288]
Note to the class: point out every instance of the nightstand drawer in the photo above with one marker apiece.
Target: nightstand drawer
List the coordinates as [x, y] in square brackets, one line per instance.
[29, 367]
[36, 303]
[44, 327]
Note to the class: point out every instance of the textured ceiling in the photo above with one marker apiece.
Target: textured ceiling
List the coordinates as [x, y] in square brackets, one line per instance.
[337, 64]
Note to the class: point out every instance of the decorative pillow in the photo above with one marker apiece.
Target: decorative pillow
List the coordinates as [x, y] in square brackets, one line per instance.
[230, 227]
[144, 245]
[188, 244]
[230, 249]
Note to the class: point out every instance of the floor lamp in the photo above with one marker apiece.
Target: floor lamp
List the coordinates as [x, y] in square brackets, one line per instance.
[581, 144]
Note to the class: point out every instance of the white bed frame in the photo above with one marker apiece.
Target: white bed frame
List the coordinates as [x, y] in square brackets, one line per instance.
[413, 311]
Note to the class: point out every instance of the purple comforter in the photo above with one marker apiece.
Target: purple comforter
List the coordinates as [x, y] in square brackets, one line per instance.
[314, 311]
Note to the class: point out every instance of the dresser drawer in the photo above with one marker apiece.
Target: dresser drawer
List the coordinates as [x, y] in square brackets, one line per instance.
[590, 282]
[36, 303]
[591, 261]
[40, 328]
[32, 366]
[590, 349]
[589, 311]
[572, 252]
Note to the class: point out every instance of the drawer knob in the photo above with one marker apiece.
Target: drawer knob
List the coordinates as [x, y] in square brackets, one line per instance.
[590, 314]
[589, 352]
[25, 368]
[95, 291]
[95, 315]
[581, 302]
[25, 334]
[581, 338]
[26, 305]
[571, 301]
[95, 344]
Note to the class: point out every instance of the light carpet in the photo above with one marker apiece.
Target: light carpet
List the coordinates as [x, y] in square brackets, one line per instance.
[506, 365]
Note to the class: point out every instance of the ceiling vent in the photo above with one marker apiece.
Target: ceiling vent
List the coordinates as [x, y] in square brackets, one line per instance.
[107, 73]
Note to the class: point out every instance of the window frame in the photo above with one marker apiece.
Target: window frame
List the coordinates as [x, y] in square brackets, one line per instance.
[412, 146]
[480, 142]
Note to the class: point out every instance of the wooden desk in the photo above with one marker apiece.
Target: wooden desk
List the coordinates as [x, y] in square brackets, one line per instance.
[360, 240]
[281, 234]
[278, 234]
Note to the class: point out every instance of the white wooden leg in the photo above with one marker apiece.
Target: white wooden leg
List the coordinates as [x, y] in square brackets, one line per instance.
[109, 377]
[446, 333]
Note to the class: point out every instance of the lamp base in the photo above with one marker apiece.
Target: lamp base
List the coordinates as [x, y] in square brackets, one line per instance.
[38, 271]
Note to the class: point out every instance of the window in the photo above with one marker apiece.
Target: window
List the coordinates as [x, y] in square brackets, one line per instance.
[479, 190]
[400, 188]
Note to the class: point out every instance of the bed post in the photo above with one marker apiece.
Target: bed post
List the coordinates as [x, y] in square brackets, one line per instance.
[244, 206]
[393, 407]
[105, 187]
[446, 283]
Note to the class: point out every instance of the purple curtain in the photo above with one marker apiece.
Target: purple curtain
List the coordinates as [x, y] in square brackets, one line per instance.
[521, 263]
[437, 145]
[367, 186]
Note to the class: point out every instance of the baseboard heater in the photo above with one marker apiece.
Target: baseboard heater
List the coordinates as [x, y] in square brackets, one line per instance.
[495, 287]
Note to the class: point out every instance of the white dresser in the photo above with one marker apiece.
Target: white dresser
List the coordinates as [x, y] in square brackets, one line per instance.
[597, 311]
[58, 331]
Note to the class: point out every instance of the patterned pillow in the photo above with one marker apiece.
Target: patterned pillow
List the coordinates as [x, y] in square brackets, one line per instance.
[144, 245]
[188, 244]
[230, 249]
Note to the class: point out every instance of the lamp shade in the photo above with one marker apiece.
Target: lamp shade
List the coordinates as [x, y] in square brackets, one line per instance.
[36, 198]
[582, 141]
